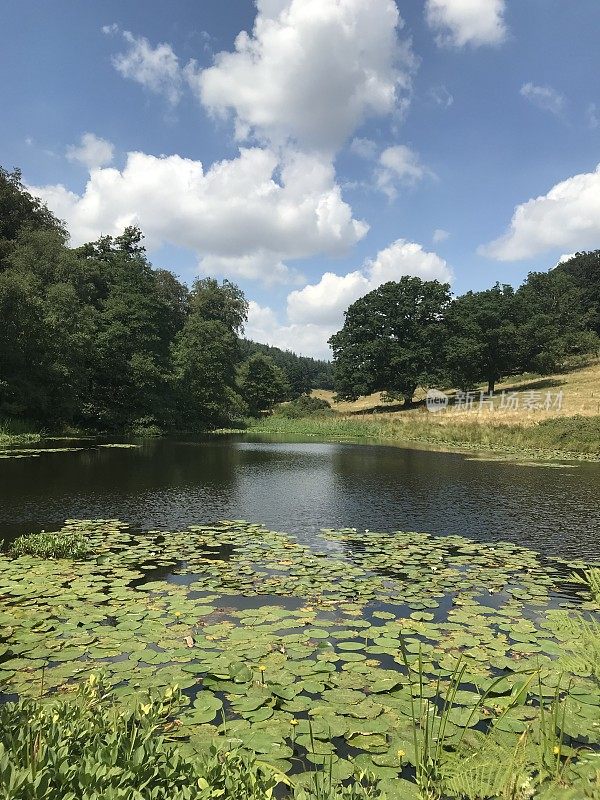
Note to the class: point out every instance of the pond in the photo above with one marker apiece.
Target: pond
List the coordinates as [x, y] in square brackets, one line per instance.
[302, 486]
[314, 636]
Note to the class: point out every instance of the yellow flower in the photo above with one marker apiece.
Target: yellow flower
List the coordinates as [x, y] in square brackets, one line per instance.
[400, 753]
[178, 613]
[294, 722]
[556, 750]
[262, 668]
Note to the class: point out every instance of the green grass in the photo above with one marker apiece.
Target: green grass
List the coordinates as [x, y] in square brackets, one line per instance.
[577, 437]
[17, 431]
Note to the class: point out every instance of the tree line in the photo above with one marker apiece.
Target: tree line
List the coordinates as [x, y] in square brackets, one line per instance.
[95, 337]
[413, 333]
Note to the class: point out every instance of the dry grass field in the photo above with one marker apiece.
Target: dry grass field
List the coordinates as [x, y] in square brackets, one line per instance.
[528, 399]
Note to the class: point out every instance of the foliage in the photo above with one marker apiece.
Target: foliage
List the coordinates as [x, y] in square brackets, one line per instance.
[583, 269]
[480, 336]
[51, 545]
[262, 383]
[94, 337]
[391, 340]
[17, 431]
[304, 406]
[89, 748]
[302, 373]
[392, 663]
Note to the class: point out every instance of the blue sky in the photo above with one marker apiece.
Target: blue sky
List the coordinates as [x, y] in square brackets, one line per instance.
[334, 146]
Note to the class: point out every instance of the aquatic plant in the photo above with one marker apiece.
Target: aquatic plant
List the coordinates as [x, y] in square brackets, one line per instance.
[397, 655]
[51, 545]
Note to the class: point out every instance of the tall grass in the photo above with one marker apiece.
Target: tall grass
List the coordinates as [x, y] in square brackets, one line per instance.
[579, 436]
[17, 431]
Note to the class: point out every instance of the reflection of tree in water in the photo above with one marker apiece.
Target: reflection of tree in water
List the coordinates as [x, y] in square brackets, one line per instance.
[392, 488]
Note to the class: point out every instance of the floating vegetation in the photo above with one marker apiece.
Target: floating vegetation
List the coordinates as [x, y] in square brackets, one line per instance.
[36, 452]
[401, 655]
[31, 452]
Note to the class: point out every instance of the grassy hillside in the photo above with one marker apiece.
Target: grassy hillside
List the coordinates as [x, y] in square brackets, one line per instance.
[569, 431]
[580, 389]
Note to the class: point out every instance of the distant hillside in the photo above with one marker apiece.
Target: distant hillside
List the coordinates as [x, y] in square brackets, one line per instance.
[303, 373]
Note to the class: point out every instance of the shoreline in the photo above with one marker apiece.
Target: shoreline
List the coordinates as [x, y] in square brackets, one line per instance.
[453, 439]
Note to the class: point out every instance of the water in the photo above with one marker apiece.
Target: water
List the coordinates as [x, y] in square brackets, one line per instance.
[300, 487]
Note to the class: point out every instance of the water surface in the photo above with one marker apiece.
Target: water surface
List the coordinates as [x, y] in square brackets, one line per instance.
[302, 486]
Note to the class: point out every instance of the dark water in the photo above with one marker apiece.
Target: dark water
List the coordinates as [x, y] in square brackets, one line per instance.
[303, 486]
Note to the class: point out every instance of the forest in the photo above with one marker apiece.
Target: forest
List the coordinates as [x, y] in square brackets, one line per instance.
[96, 338]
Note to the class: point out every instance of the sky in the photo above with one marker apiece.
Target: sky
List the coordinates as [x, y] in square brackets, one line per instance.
[311, 150]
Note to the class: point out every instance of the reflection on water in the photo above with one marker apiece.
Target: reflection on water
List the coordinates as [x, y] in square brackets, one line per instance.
[302, 486]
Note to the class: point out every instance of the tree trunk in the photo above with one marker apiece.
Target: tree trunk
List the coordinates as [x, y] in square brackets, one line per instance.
[491, 385]
[409, 394]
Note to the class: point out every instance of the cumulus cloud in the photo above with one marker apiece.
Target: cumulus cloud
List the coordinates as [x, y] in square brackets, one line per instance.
[310, 72]
[315, 312]
[324, 302]
[399, 164]
[568, 217]
[544, 97]
[92, 151]
[155, 68]
[467, 22]
[264, 326]
[245, 216]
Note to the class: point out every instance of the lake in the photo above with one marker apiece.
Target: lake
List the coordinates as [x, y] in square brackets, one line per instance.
[302, 486]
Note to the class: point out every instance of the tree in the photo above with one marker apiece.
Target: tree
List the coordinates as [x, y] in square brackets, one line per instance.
[482, 340]
[262, 383]
[584, 271]
[205, 353]
[223, 302]
[555, 320]
[20, 211]
[391, 340]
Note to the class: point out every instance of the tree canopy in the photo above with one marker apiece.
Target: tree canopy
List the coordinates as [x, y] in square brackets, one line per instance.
[391, 340]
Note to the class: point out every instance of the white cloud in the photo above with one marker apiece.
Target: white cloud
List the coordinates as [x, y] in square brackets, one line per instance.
[306, 339]
[315, 312]
[399, 164]
[544, 97]
[311, 71]
[568, 217]
[155, 68]
[365, 148]
[467, 22]
[440, 235]
[245, 216]
[324, 302]
[92, 151]
[565, 257]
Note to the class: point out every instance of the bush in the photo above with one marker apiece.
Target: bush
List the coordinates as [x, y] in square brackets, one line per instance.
[305, 406]
[51, 545]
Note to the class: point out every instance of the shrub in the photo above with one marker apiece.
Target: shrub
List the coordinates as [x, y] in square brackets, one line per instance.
[305, 406]
[51, 545]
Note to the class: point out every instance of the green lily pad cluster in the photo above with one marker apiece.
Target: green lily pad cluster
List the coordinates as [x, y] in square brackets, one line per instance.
[330, 656]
